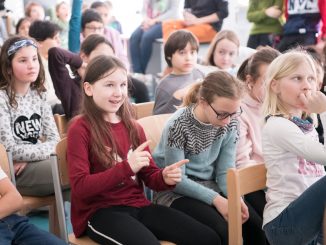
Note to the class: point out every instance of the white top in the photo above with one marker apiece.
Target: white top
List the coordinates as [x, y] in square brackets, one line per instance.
[291, 158]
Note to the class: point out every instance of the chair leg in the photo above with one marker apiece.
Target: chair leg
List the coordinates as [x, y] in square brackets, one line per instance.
[53, 220]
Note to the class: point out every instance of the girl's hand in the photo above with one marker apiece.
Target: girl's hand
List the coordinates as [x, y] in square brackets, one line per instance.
[221, 204]
[313, 101]
[81, 69]
[172, 174]
[19, 167]
[244, 211]
[139, 158]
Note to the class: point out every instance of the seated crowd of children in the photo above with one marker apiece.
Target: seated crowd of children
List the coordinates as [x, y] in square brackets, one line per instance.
[223, 114]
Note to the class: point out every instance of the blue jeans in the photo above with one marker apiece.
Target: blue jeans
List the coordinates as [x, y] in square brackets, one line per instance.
[141, 46]
[301, 222]
[15, 229]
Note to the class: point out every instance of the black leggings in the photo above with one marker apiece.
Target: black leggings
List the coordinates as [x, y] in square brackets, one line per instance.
[208, 215]
[147, 225]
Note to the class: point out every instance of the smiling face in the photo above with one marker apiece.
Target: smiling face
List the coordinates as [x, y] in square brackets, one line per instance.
[184, 60]
[109, 92]
[25, 66]
[225, 53]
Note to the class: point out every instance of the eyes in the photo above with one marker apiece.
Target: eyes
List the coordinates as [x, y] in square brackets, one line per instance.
[112, 84]
[310, 79]
[225, 52]
[184, 52]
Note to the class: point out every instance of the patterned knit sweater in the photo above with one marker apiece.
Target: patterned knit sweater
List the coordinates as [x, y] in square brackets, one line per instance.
[210, 150]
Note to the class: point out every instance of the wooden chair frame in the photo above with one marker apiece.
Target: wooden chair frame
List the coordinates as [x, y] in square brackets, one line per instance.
[144, 109]
[30, 202]
[241, 182]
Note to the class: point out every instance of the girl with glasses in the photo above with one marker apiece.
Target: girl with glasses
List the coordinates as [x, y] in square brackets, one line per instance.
[205, 131]
[27, 125]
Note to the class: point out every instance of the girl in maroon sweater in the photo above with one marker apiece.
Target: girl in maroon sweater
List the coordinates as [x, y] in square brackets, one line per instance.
[109, 161]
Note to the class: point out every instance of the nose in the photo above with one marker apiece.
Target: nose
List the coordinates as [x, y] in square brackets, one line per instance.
[117, 91]
[226, 121]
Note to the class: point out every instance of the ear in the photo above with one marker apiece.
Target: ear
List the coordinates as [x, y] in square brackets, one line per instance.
[88, 89]
[84, 57]
[275, 86]
[249, 81]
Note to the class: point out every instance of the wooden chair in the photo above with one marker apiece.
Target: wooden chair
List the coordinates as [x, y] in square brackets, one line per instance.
[30, 202]
[143, 109]
[62, 124]
[240, 182]
[153, 127]
[61, 180]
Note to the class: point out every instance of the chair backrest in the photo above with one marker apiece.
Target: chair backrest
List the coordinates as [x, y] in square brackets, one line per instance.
[6, 163]
[143, 109]
[153, 127]
[62, 124]
[60, 181]
[240, 182]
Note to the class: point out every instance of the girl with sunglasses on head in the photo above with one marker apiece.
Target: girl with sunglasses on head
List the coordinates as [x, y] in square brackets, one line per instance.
[205, 131]
[109, 161]
[27, 125]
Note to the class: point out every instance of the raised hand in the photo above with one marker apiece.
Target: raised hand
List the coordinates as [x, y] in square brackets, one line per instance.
[172, 174]
[139, 158]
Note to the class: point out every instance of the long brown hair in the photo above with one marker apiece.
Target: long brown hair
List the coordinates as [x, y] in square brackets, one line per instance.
[101, 132]
[218, 83]
[6, 76]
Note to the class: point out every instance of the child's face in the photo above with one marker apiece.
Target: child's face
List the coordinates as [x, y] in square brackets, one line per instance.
[93, 27]
[221, 106]
[225, 53]
[109, 93]
[24, 28]
[37, 13]
[63, 12]
[183, 61]
[105, 14]
[301, 81]
[49, 43]
[256, 88]
[25, 65]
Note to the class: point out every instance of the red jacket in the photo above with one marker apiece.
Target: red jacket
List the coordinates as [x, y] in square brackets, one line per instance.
[93, 186]
[322, 9]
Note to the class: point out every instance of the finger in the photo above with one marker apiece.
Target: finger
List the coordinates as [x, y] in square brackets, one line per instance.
[143, 146]
[20, 170]
[303, 98]
[144, 154]
[179, 164]
[143, 159]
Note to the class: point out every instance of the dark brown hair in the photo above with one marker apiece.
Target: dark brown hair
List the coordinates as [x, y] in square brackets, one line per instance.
[178, 40]
[92, 41]
[101, 132]
[6, 75]
[218, 83]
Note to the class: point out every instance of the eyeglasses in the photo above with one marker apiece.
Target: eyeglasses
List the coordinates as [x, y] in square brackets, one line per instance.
[222, 116]
[94, 28]
[19, 44]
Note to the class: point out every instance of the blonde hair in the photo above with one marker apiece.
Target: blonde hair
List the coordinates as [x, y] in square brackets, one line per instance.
[283, 66]
[218, 83]
[225, 34]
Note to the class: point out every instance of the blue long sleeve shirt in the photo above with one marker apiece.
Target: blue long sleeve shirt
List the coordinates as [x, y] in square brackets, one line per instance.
[210, 150]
